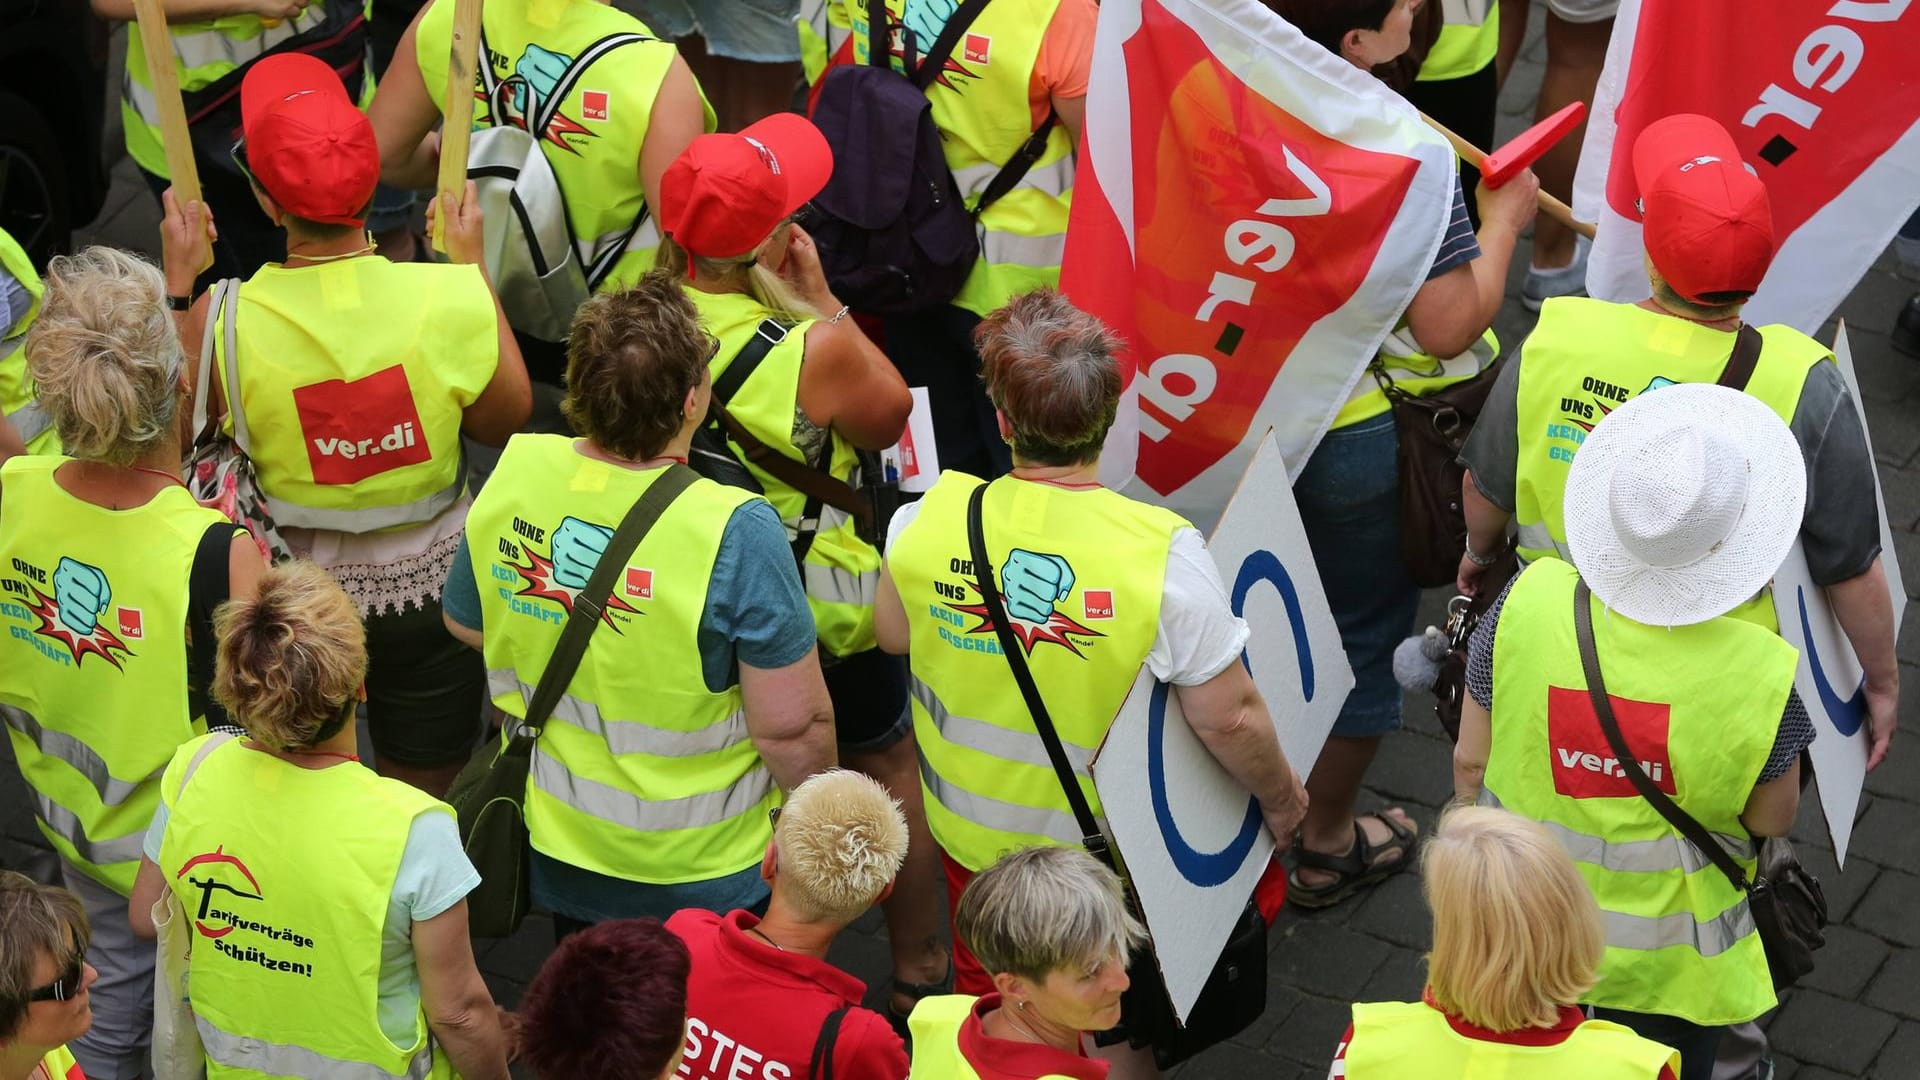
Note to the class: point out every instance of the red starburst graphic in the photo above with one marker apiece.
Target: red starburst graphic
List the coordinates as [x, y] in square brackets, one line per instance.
[560, 126]
[1055, 629]
[1590, 424]
[538, 575]
[948, 72]
[101, 642]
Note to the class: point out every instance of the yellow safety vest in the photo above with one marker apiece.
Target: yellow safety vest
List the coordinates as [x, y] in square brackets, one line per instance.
[823, 28]
[1413, 371]
[936, 1023]
[1395, 1039]
[29, 420]
[593, 143]
[1586, 358]
[982, 109]
[642, 772]
[60, 1065]
[988, 782]
[1699, 706]
[203, 53]
[840, 570]
[1469, 39]
[353, 380]
[94, 707]
[285, 876]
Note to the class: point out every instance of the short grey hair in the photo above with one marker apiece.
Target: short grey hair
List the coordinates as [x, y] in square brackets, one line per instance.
[1050, 368]
[1045, 909]
[104, 355]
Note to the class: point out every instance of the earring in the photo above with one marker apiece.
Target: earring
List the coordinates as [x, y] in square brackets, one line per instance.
[1021, 1005]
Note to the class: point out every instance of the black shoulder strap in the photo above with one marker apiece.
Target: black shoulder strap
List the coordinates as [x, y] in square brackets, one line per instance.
[769, 333]
[926, 67]
[1091, 837]
[1746, 353]
[1017, 167]
[1696, 833]
[821, 1067]
[585, 59]
[207, 588]
[590, 604]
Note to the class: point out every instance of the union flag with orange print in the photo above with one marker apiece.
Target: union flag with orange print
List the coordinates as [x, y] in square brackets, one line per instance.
[1253, 215]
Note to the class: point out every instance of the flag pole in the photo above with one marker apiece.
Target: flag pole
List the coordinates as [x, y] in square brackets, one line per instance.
[157, 40]
[457, 124]
[1475, 157]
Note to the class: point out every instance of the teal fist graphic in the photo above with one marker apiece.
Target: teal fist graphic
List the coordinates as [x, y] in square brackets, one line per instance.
[82, 593]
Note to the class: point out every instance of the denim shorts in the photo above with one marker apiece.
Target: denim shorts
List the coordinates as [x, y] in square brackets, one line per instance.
[1349, 496]
[758, 31]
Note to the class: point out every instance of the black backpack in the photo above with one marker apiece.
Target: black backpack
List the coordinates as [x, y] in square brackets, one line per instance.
[893, 230]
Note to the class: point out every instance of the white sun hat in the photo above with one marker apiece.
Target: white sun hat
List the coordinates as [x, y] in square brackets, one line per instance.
[1683, 502]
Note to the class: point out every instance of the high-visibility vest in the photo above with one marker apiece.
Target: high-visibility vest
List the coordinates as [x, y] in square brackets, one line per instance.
[29, 420]
[642, 772]
[1586, 358]
[1698, 705]
[840, 570]
[94, 707]
[60, 1065]
[1416, 372]
[203, 53]
[989, 785]
[285, 876]
[1394, 1039]
[824, 31]
[1469, 39]
[353, 380]
[936, 1023]
[982, 109]
[593, 143]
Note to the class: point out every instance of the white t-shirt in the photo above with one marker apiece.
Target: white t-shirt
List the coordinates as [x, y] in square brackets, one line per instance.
[1199, 635]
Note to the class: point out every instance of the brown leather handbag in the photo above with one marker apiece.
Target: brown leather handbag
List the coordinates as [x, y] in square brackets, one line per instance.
[1433, 428]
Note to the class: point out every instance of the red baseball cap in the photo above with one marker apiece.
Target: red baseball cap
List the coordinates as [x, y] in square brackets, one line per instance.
[725, 193]
[308, 144]
[1708, 224]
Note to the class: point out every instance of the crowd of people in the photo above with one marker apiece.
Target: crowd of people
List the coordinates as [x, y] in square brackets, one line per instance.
[798, 702]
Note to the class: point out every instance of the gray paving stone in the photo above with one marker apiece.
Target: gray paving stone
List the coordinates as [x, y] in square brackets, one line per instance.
[1330, 961]
[1889, 908]
[1413, 772]
[1847, 963]
[1894, 988]
[1820, 1029]
[1394, 911]
[1400, 978]
[1312, 1031]
[1843, 888]
[1900, 1058]
[1899, 486]
[1887, 833]
[1282, 998]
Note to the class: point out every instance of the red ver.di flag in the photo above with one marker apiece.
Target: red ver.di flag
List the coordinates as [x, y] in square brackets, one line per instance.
[1821, 100]
[1252, 214]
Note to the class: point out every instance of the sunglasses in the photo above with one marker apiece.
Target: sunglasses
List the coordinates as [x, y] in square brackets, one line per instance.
[64, 988]
[773, 817]
[238, 152]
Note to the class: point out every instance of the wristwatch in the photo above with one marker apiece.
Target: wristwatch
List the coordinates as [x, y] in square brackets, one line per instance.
[179, 303]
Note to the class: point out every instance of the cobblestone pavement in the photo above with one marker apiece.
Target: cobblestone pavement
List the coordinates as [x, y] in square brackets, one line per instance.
[1857, 1015]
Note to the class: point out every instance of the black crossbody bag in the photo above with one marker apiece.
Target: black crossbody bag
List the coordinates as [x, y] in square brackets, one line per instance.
[1789, 908]
[1236, 992]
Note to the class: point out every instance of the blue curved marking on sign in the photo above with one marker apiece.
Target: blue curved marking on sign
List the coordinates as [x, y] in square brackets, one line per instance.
[1203, 868]
[1846, 714]
[1264, 566]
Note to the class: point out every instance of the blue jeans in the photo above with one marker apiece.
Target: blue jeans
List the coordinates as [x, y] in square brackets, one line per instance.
[1349, 496]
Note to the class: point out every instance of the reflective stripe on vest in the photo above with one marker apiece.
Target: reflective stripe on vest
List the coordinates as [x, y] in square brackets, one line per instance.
[991, 790]
[58, 744]
[29, 421]
[1693, 704]
[277, 1059]
[998, 247]
[1054, 178]
[1469, 39]
[627, 736]
[63, 825]
[201, 48]
[1415, 372]
[630, 811]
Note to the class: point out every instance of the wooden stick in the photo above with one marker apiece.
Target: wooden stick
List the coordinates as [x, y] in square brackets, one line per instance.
[457, 124]
[1549, 205]
[157, 39]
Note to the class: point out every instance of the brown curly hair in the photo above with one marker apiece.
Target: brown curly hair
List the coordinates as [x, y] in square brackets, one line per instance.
[290, 659]
[632, 356]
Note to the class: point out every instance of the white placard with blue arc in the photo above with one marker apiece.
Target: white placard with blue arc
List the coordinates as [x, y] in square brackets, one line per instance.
[1830, 678]
[1194, 845]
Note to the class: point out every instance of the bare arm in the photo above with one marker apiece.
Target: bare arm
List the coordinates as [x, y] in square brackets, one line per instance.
[890, 615]
[403, 115]
[458, 1005]
[1073, 117]
[1865, 612]
[790, 718]
[245, 567]
[148, 884]
[464, 634]
[679, 117]
[848, 384]
[1230, 717]
[185, 11]
[1773, 805]
[11, 445]
[1486, 531]
[1470, 753]
[1450, 312]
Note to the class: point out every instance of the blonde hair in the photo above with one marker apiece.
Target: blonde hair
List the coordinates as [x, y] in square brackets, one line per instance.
[34, 919]
[1516, 932]
[290, 659]
[842, 839]
[767, 288]
[104, 355]
[1045, 909]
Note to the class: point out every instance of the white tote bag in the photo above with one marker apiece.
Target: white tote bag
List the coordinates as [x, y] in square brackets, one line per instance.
[177, 1054]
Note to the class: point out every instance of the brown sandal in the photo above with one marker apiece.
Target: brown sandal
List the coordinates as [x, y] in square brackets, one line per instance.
[1362, 866]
